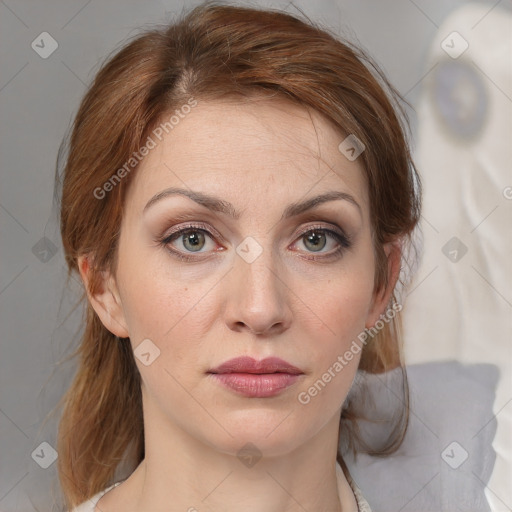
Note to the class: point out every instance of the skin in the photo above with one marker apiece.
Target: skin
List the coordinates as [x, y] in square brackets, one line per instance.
[260, 155]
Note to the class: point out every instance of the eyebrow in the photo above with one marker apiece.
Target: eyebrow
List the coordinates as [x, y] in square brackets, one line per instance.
[219, 205]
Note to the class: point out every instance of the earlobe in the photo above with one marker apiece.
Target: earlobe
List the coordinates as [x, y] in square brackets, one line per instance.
[383, 296]
[105, 298]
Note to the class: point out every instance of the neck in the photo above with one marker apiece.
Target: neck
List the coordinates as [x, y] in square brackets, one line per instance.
[180, 473]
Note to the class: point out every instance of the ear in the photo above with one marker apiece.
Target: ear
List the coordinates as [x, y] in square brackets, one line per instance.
[382, 296]
[105, 300]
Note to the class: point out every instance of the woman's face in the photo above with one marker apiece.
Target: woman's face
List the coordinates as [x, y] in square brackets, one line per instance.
[248, 260]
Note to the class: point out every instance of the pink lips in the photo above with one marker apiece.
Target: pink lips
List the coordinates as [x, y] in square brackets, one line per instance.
[256, 379]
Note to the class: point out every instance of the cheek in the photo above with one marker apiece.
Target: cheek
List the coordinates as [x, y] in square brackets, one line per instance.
[334, 348]
[342, 301]
[167, 310]
[343, 314]
[166, 303]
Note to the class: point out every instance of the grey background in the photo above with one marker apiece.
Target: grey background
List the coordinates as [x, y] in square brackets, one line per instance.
[38, 97]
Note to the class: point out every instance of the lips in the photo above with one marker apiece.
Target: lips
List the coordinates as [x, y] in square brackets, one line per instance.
[256, 379]
[250, 365]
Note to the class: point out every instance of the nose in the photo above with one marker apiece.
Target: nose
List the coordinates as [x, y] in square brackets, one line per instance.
[258, 298]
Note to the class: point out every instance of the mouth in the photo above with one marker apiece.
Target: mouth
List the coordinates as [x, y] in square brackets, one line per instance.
[256, 379]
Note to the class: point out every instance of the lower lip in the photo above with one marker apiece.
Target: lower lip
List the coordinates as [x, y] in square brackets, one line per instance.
[257, 385]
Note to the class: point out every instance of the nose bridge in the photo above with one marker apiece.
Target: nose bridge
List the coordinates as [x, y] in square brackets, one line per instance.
[259, 296]
[260, 276]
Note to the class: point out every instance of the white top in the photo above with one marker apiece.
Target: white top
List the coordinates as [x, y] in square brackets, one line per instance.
[362, 504]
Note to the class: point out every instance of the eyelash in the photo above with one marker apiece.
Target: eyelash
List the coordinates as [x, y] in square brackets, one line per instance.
[343, 240]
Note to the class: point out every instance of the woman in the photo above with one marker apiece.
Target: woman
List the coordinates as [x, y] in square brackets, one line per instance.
[237, 198]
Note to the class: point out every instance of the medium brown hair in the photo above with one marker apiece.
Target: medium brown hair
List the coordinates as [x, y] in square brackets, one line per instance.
[213, 52]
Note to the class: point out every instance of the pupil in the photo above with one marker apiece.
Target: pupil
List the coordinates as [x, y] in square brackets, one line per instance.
[195, 239]
[314, 238]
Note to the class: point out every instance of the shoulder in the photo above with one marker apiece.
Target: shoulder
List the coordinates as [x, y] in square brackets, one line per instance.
[362, 504]
[90, 504]
[347, 484]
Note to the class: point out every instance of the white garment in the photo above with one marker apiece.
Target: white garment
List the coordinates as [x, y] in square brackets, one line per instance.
[362, 504]
[458, 306]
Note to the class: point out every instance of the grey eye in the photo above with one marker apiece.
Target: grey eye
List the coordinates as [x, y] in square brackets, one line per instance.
[193, 240]
[315, 240]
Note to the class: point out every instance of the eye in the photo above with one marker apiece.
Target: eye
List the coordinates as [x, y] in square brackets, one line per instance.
[190, 239]
[183, 243]
[317, 238]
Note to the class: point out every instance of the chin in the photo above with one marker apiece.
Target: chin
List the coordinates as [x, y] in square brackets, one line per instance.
[273, 433]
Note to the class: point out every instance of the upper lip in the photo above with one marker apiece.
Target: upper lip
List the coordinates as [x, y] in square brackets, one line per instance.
[249, 365]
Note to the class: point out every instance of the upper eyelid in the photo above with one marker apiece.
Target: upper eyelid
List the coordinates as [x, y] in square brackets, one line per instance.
[191, 227]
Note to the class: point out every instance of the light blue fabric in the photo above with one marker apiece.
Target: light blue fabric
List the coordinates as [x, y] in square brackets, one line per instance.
[447, 457]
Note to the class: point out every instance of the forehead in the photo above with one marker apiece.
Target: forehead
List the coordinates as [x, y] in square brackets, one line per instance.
[244, 150]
